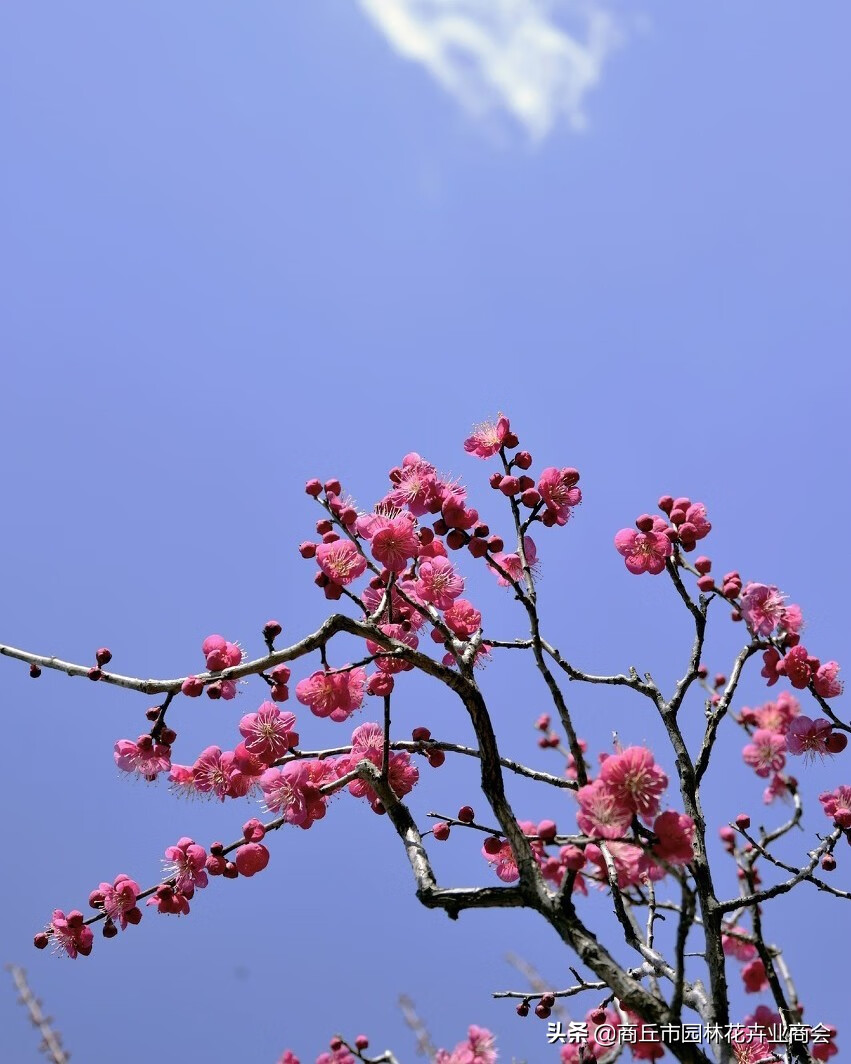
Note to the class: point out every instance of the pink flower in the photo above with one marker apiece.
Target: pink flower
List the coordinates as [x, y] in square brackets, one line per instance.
[776, 716]
[438, 583]
[778, 788]
[635, 780]
[288, 1057]
[463, 618]
[243, 770]
[340, 561]
[477, 1049]
[416, 485]
[751, 1047]
[601, 814]
[675, 832]
[368, 745]
[754, 977]
[170, 900]
[765, 752]
[182, 780]
[268, 733]
[395, 541]
[643, 552]
[762, 608]
[185, 864]
[764, 1017]
[293, 791]
[557, 488]
[373, 597]
[210, 773]
[144, 757]
[513, 564]
[807, 736]
[118, 901]
[387, 664]
[503, 860]
[837, 805]
[825, 681]
[737, 947]
[70, 935]
[796, 667]
[336, 1056]
[771, 659]
[629, 861]
[488, 437]
[220, 654]
[332, 694]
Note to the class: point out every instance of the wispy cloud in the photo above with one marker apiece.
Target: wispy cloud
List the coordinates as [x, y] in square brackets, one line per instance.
[535, 59]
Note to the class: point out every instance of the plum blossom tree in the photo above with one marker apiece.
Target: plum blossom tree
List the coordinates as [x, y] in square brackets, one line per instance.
[401, 569]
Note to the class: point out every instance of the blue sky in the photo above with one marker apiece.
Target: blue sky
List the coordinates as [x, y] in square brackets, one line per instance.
[247, 244]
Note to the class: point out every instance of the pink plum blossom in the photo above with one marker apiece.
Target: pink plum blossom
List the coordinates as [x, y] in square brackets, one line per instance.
[629, 862]
[463, 618]
[144, 757]
[268, 733]
[70, 935]
[439, 584]
[185, 864]
[557, 488]
[837, 805]
[635, 780]
[808, 737]
[513, 564]
[754, 976]
[416, 485]
[675, 834]
[487, 438]
[118, 901]
[737, 947]
[765, 753]
[210, 773]
[394, 542]
[826, 682]
[796, 667]
[340, 561]
[332, 694]
[368, 745]
[478, 1048]
[601, 814]
[762, 608]
[386, 663]
[643, 552]
[293, 791]
[169, 899]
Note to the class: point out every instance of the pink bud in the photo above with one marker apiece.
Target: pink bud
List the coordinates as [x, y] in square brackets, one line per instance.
[192, 686]
[251, 858]
[441, 831]
[547, 830]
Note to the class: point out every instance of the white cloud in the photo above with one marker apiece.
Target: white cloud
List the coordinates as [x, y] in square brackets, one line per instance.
[515, 55]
